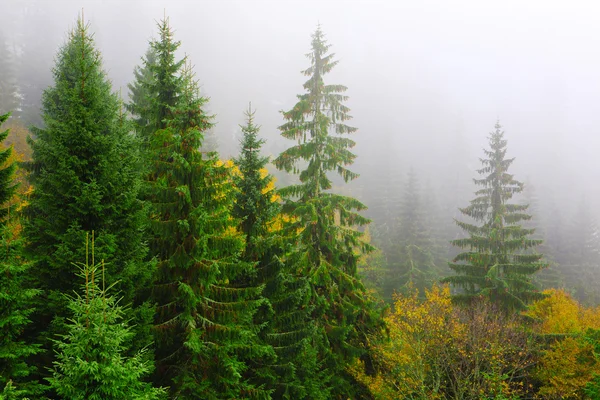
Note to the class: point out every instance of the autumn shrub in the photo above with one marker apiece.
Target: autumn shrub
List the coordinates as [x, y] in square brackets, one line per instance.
[437, 350]
[568, 367]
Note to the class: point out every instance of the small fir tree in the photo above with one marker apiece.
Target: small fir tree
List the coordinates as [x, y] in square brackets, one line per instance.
[325, 223]
[91, 363]
[496, 264]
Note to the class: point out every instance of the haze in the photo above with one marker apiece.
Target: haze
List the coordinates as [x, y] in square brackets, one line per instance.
[427, 79]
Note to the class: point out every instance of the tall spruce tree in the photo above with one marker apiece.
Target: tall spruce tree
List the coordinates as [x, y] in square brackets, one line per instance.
[324, 222]
[91, 362]
[204, 317]
[496, 264]
[16, 299]
[284, 318]
[85, 178]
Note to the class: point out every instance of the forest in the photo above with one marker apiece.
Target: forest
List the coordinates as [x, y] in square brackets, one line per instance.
[146, 254]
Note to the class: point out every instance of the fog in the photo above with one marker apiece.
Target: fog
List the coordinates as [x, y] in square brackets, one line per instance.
[427, 79]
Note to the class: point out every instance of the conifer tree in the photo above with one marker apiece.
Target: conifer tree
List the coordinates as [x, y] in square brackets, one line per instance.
[283, 318]
[411, 262]
[157, 84]
[142, 95]
[8, 85]
[85, 174]
[16, 299]
[204, 317]
[583, 255]
[324, 222]
[91, 361]
[494, 262]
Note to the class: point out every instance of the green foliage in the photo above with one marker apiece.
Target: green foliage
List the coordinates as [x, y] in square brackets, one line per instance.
[91, 363]
[204, 319]
[16, 299]
[283, 319]
[323, 222]
[85, 174]
[592, 389]
[157, 85]
[141, 94]
[496, 264]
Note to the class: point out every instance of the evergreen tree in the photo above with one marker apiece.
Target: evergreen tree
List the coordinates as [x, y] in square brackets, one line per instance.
[283, 318]
[142, 95]
[15, 298]
[411, 262]
[495, 264]
[325, 223]
[8, 85]
[91, 363]
[583, 266]
[157, 85]
[85, 175]
[204, 317]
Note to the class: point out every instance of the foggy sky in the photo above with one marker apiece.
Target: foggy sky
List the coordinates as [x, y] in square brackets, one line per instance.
[423, 76]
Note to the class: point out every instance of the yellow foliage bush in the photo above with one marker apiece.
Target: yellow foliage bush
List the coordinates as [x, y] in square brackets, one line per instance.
[436, 350]
[568, 364]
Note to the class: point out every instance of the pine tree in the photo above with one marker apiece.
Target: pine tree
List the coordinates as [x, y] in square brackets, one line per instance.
[411, 262]
[204, 319]
[16, 299]
[283, 318]
[85, 174]
[495, 264]
[91, 361]
[324, 222]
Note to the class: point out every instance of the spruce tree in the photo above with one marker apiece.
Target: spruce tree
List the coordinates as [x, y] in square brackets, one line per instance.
[85, 174]
[157, 84]
[583, 267]
[325, 223]
[495, 263]
[91, 361]
[142, 95]
[284, 318]
[8, 85]
[16, 299]
[411, 262]
[204, 316]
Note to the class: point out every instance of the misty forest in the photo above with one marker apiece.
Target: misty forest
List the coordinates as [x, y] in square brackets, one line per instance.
[299, 200]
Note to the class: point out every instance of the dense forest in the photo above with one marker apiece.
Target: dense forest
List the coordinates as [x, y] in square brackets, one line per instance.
[147, 257]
